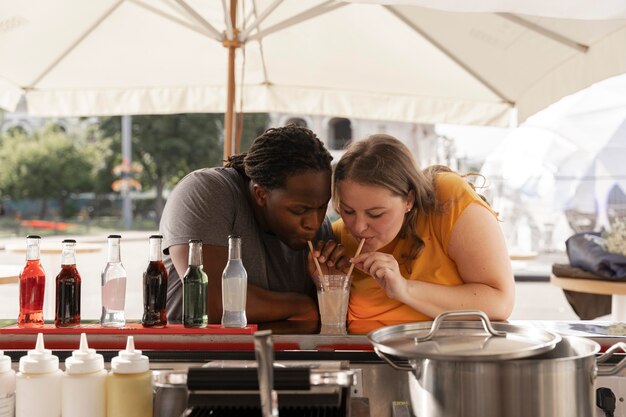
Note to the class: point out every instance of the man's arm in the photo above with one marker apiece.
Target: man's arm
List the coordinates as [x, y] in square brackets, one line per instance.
[262, 305]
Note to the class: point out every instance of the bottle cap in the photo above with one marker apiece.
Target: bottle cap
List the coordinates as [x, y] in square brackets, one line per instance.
[129, 360]
[40, 360]
[84, 360]
[5, 362]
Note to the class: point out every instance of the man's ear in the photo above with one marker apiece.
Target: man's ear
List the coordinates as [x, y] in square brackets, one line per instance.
[260, 194]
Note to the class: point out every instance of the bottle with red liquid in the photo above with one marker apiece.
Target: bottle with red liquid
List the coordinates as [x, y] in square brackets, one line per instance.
[32, 286]
[67, 306]
[155, 287]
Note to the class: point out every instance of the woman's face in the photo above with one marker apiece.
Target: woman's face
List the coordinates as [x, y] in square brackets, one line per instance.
[296, 212]
[371, 212]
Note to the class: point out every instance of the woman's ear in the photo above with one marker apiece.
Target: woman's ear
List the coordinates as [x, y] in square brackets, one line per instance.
[260, 194]
[410, 201]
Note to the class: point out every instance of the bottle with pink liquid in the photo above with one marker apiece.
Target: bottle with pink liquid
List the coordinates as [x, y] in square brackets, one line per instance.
[113, 287]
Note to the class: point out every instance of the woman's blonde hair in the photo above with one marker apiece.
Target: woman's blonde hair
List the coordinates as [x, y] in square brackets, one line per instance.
[384, 161]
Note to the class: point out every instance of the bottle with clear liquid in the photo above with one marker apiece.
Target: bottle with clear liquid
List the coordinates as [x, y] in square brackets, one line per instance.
[155, 287]
[113, 286]
[195, 289]
[32, 286]
[234, 287]
[67, 300]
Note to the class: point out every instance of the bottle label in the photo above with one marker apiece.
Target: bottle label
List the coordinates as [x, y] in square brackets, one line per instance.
[7, 405]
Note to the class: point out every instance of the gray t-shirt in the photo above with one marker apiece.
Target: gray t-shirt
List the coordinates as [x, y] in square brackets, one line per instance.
[212, 203]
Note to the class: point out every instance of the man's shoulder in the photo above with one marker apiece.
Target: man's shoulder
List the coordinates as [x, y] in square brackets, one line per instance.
[213, 174]
[210, 180]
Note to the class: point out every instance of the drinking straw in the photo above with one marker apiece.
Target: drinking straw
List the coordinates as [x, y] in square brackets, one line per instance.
[358, 252]
[317, 264]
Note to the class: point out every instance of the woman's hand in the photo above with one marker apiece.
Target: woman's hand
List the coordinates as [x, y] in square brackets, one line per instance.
[331, 257]
[385, 271]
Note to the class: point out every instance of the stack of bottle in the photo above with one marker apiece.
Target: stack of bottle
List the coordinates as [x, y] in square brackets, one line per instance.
[41, 389]
[113, 284]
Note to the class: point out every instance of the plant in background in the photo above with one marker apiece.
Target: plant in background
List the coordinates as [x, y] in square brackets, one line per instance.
[49, 164]
[616, 237]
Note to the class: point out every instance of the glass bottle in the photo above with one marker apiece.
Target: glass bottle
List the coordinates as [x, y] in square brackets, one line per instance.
[67, 305]
[155, 287]
[32, 286]
[234, 287]
[113, 286]
[195, 284]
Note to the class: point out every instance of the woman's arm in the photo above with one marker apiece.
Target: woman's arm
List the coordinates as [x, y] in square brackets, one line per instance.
[478, 248]
[261, 305]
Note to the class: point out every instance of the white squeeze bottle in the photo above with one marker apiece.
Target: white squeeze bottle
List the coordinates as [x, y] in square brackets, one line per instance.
[129, 385]
[38, 383]
[7, 387]
[84, 383]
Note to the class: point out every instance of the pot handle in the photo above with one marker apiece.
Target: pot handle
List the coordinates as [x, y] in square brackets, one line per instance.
[606, 355]
[441, 317]
[390, 361]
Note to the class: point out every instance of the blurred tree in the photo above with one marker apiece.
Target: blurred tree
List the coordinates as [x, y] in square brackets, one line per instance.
[253, 125]
[170, 146]
[49, 164]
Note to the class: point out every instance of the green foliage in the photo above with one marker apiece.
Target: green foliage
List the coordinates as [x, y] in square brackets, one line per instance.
[170, 146]
[48, 164]
[253, 125]
[52, 164]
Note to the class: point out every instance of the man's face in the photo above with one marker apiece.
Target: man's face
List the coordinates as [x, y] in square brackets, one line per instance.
[295, 213]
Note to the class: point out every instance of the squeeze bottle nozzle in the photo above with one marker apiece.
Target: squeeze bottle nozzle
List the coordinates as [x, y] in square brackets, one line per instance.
[40, 360]
[130, 360]
[84, 360]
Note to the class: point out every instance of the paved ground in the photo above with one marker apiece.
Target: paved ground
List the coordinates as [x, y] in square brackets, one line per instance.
[534, 300]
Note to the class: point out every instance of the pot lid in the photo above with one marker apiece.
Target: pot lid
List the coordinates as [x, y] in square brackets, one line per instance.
[462, 340]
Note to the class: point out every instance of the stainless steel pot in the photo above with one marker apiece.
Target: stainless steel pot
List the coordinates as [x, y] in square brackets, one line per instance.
[448, 379]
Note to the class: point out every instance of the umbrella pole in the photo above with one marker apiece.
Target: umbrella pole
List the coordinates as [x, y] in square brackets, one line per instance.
[232, 45]
[230, 105]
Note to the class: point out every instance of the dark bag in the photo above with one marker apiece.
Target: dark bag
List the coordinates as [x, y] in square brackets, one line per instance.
[585, 252]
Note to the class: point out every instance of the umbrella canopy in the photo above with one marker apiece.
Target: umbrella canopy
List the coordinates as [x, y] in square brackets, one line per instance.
[373, 61]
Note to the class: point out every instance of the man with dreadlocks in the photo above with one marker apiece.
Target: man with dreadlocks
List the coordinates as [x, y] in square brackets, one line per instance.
[274, 197]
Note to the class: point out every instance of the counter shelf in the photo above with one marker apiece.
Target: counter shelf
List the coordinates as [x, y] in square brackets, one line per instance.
[300, 336]
[171, 348]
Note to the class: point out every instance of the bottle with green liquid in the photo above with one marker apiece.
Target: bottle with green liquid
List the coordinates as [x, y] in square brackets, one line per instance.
[195, 289]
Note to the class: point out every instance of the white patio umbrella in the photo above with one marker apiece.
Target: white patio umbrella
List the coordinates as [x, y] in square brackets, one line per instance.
[387, 62]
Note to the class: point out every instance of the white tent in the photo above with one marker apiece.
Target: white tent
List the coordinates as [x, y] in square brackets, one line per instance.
[378, 61]
[562, 167]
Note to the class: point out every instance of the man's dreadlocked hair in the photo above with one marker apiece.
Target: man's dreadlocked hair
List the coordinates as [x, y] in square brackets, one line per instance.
[280, 153]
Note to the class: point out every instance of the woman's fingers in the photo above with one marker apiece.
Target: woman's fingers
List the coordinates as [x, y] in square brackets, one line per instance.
[375, 264]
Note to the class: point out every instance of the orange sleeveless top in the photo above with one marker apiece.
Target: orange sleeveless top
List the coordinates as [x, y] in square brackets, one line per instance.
[367, 300]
